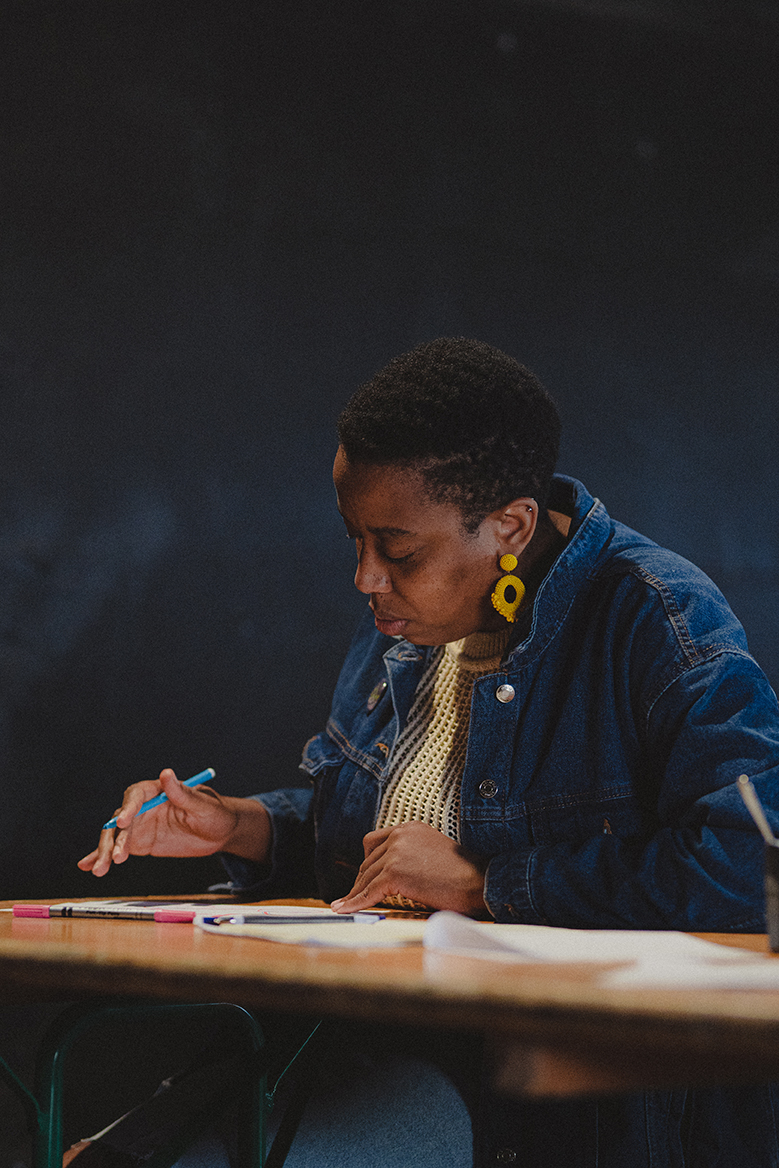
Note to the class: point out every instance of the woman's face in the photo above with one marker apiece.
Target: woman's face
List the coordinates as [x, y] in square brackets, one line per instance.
[429, 580]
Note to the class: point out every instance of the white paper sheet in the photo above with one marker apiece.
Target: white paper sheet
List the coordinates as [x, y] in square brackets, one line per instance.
[760, 973]
[454, 933]
[345, 935]
[664, 956]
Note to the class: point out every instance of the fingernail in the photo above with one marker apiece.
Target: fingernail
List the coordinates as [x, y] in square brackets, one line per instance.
[336, 904]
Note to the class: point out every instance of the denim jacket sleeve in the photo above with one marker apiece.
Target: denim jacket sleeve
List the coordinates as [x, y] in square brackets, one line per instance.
[291, 868]
[651, 832]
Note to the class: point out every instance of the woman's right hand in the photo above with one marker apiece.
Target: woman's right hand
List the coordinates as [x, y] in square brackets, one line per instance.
[195, 821]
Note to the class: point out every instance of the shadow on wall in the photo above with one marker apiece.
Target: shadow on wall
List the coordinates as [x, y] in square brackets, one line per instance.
[191, 614]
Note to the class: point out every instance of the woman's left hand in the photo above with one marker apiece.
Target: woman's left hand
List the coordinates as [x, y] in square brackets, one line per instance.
[416, 861]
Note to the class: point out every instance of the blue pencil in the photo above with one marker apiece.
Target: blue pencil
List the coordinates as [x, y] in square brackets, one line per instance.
[195, 781]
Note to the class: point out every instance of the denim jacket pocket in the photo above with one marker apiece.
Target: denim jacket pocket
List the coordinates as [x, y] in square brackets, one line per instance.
[580, 816]
[344, 809]
[322, 761]
[318, 753]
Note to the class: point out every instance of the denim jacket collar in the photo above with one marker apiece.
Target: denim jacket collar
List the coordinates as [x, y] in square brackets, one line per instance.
[589, 534]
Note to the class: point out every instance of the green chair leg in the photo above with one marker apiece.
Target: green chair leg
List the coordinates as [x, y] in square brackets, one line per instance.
[35, 1117]
[46, 1106]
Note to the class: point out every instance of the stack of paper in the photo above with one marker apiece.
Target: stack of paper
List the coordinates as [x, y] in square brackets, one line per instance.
[664, 959]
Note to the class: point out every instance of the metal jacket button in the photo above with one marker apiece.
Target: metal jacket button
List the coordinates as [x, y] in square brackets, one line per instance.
[505, 693]
[488, 788]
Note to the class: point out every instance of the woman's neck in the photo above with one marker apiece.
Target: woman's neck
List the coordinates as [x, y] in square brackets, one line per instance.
[549, 540]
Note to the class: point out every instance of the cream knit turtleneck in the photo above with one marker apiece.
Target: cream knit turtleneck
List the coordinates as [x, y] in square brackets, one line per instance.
[427, 763]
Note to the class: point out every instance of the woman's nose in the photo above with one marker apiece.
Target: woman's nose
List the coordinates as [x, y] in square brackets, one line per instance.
[370, 575]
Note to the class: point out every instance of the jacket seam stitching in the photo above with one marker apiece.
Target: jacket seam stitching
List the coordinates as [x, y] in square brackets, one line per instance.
[363, 760]
[711, 654]
[678, 623]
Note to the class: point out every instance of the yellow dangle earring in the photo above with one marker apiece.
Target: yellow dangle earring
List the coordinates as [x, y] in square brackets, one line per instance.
[509, 590]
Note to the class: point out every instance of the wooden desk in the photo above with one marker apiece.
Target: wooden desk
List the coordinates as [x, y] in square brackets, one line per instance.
[554, 1032]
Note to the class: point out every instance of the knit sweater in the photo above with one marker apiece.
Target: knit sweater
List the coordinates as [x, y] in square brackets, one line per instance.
[429, 758]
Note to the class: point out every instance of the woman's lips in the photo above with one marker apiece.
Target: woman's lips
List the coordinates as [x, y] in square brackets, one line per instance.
[390, 626]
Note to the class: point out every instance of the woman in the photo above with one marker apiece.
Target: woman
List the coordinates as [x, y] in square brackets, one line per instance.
[541, 719]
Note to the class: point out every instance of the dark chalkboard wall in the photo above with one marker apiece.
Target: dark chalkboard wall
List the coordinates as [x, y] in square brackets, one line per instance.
[217, 220]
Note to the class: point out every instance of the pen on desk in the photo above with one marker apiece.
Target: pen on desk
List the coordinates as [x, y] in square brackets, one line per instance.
[755, 808]
[254, 919]
[204, 777]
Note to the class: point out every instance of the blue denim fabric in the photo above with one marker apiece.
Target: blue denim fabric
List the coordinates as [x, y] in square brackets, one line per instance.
[603, 796]
[399, 1113]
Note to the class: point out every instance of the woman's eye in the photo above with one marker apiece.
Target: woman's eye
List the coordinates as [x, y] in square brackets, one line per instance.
[358, 542]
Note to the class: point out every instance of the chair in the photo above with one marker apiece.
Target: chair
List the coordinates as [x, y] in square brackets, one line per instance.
[44, 1106]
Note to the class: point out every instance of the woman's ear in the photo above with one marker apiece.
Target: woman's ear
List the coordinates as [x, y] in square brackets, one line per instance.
[516, 525]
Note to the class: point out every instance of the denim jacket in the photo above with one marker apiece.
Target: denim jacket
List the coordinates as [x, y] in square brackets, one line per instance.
[602, 793]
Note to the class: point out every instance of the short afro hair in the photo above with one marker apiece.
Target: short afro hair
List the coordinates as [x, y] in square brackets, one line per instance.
[478, 426]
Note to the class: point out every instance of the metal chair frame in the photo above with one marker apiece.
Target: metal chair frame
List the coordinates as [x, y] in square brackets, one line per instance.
[44, 1106]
